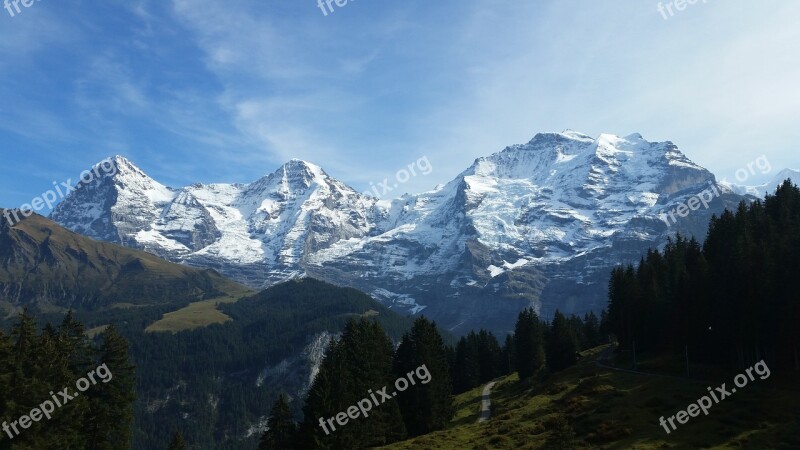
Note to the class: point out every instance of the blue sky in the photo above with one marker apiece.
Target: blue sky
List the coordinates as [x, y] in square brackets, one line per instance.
[227, 91]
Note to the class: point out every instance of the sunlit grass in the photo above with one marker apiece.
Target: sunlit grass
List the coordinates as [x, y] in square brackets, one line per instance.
[616, 410]
[195, 315]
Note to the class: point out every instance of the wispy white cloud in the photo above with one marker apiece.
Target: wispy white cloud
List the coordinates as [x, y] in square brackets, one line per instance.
[725, 96]
[208, 90]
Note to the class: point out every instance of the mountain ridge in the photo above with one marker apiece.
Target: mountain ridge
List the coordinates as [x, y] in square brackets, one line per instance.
[521, 227]
[47, 266]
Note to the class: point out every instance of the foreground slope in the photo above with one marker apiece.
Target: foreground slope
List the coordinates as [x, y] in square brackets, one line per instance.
[601, 408]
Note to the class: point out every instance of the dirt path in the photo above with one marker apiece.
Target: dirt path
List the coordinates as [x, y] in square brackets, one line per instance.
[486, 403]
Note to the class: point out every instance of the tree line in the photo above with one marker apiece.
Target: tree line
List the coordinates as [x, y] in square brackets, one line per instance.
[364, 360]
[535, 345]
[731, 301]
[36, 364]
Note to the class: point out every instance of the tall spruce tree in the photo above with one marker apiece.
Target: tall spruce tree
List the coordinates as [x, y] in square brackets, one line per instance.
[529, 343]
[466, 366]
[508, 356]
[591, 331]
[282, 431]
[66, 359]
[562, 344]
[110, 424]
[355, 367]
[6, 372]
[7, 406]
[489, 354]
[425, 407]
[33, 357]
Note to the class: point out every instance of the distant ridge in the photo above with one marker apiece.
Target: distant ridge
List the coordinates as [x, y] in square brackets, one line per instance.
[47, 266]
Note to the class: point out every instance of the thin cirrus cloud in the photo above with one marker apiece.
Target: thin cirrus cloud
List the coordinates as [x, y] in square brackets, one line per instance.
[202, 90]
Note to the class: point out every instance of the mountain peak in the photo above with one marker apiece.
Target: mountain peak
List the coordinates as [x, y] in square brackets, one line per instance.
[120, 161]
[294, 176]
[784, 174]
[299, 165]
[556, 208]
[117, 167]
[576, 135]
[569, 135]
[129, 174]
[634, 137]
[767, 188]
[299, 173]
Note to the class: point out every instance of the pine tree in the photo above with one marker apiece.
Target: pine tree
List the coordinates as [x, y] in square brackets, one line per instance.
[605, 327]
[32, 357]
[72, 337]
[282, 431]
[562, 344]
[425, 407]
[111, 418]
[65, 361]
[508, 356]
[26, 347]
[591, 331]
[6, 374]
[466, 366]
[177, 442]
[529, 343]
[33, 365]
[489, 355]
[354, 367]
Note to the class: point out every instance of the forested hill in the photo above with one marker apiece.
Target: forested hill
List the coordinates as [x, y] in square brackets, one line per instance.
[215, 385]
[46, 265]
[733, 300]
[307, 303]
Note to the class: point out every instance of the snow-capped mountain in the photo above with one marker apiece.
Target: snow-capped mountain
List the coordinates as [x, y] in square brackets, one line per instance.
[259, 232]
[114, 206]
[767, 188]
[538, 224]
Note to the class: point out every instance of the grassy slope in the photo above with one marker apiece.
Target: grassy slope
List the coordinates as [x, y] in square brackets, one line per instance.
[55, 268]
[196, 315]
[618, 410]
